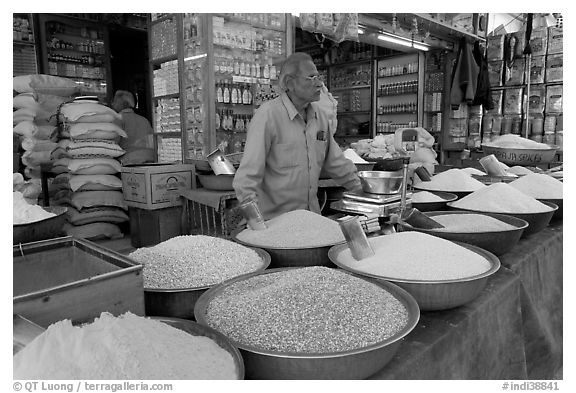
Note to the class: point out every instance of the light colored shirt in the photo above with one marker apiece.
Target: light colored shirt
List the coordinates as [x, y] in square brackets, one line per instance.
[137, 128]
[283, 158]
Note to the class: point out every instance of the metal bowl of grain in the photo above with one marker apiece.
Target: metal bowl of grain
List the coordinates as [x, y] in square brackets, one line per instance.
[521, 156]
[292, 326]
[433, 205]
[195, 329]
[557, 202]
[381, 182]
[179, 302]
[47, 228]
[497, 242]
[216, 182]
[291, 257]
[536, 221]
[431, 294]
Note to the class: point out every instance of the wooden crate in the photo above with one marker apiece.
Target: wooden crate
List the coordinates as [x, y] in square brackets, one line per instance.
[150, 227]
[69, 278]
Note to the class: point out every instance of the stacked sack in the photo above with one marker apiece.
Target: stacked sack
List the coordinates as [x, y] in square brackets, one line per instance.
[87, 168]
[36, 101]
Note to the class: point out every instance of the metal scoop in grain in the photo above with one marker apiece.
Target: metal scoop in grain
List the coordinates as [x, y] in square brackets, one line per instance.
[420, 220]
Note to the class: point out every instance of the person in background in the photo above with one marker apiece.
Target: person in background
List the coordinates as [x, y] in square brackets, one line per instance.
[139, 144]
[289, 142]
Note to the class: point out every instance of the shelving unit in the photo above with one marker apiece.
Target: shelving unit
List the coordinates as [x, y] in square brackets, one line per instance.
[76, 50]
[224, 68]
[24, 59]
[397, 97]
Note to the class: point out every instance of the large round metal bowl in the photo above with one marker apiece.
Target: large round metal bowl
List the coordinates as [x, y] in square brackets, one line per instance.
[459, 194]
[354, 364]
[381, 182]
[434, 206]
[48, 228]
[292, 257]
[518, 156]
[557, 202]
[216, 182]
[195, 329]
[536, 221]
[179, 303]
[435, 295]
[497, 243]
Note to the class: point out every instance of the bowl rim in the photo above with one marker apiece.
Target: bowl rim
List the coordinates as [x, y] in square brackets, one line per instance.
[549, 204]
[199, 328]
[490, 257]
[376, 174]
[550, 148]
[58, 210]
[451, 191]
[396, 291]
[234, 236]
[263, 254]
[523, 223]
[452, 197]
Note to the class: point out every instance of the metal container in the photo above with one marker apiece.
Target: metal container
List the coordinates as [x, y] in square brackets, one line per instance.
[436, 295]
[179, 303]
[216, 182]
[381, 182]
[292, 257]
[536, 221]
[518, 156]
[459, 194]
[497, 243]
[434, 206]
[557, 202]
[220, 164]
[354, 364]
[195, 329]
[48, 228]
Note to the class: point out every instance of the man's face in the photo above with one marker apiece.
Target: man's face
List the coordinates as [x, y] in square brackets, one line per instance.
[306, 85]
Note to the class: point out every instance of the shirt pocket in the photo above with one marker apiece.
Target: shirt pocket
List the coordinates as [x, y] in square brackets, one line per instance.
[286, 155]
[320, 147]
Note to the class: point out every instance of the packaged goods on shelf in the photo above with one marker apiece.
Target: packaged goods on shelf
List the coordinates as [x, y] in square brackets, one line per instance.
[517, 42]
[537, 69]
[495, 48]
[539, 41]
[555, 40]
[514, 73]
[513, 101]
[554, 96]
[495, 72]
[554, 68]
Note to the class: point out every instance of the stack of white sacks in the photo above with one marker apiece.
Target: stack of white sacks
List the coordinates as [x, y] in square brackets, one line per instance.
[34, 119]
[87, 168]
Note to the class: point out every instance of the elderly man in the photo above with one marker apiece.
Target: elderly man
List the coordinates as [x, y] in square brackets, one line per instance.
[288, 143]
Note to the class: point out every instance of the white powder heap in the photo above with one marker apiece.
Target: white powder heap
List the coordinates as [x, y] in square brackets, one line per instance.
[194, 261]
[467, 223]
[519, 170]
[501, 198]
[25, 213]
[516, 142]
[295, 229]
[354, 157]
[425, 196]
[125, 347]
[473, 171]
[539, 186]
[451, 180]
[417, 256]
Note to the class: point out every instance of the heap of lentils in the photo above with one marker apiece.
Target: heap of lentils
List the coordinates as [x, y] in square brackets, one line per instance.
[194, 261]
[295, 229]
[306, 310]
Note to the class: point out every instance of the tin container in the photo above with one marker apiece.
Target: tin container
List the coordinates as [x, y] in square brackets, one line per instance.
[220, 164]
[492, 166]
[251, 212]
[355, 238]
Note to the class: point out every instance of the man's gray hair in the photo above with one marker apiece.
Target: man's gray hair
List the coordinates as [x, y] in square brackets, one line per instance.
[125, 99]
[291, 67]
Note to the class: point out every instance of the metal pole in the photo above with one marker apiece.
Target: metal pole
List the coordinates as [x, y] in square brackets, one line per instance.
[528, 72]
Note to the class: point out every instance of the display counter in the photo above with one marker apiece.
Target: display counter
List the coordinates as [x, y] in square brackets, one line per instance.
[513, 330]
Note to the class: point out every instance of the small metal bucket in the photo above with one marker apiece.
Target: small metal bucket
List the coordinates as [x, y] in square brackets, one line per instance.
[220, 164]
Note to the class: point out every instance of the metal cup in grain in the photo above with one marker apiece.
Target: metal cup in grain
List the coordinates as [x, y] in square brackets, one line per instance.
[220, 164]
[251, 212]
[355, 237]
[492, 166]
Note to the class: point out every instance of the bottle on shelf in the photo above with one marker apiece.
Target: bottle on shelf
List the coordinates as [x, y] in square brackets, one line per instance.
[226, 93]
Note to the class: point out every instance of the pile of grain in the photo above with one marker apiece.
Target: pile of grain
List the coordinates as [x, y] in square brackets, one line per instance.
[467, 223]
[539, 186]
[295, 229]
[451, 180]
[126, 347]
[25, 213]
[473, 171]
[194, 261]
[426, 197]
[513, 141]
[519, 170]
[501, 198]
[307, 310]
[417, 256]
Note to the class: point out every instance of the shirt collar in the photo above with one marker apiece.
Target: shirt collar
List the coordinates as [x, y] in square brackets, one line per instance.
[127, 110]
[292, 111]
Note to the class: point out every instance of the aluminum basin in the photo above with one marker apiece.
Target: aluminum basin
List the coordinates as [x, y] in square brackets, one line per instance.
[434, 206]
[48, 228]
[381, 182]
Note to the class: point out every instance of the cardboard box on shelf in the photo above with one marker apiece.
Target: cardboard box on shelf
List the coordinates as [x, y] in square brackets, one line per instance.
[554, 68]
[495, 47]
[537, 69]
[554, 96]
[537, 99]
[495, 69]
[156, 186]
[555, 40]
[539, 41]
[513, 101]
[515, 73]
